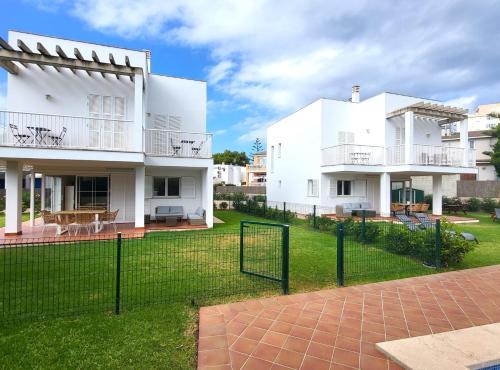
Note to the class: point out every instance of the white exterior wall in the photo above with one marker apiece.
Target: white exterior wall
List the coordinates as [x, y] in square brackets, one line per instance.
[228, 174]
[300, 137]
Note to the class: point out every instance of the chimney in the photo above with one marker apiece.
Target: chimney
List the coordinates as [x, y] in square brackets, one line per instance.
[148, 59]
[355, 94]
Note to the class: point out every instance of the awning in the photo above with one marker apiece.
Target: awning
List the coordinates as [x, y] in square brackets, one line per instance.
[442, 113]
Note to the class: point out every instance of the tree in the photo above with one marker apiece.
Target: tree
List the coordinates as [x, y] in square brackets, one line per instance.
[231, 157]
[494, 153]
[256, 147]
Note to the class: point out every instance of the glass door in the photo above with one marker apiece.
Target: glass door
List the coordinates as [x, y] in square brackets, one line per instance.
[93, 192]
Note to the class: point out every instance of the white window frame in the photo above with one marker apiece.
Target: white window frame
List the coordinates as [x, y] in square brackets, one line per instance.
[166, 187]
[312, 188]
[342, 187]
[272, 159]
[279, 150]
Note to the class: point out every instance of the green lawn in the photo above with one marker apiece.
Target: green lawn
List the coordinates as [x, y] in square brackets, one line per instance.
[25, 216]
[163, 335]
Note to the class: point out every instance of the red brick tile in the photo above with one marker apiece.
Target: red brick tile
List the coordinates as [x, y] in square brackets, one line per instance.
[213, 357]
[321, 351]
[327, 327]
[373, 327]
[269, 314]
[257, 364]
[274, 339]
[290, 359]
[344, 357]
[281, 327]
[348, 344]
[211, 330]
[306, 322]
[296, 344]
[237, 359]
[349, 332]
[313, 363]
[279, 367]
[266, 352]
[370, 349]
[323, 338]
[215, 342]
[301, 332]
[284, 317]
[371, 337]
[235, 327]
[372, 363]
[244, 345]
[253, 333]
[244, 318]
[263, 323]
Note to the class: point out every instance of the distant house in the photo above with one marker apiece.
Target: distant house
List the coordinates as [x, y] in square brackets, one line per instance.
[335, 152]
[228, 174]
[256, 173]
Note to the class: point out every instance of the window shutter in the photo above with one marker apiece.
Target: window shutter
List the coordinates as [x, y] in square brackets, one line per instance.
[341, 137]
[174, 123]
[160, 122]
[106, 107]
[94, 103]
[119, 111]
[359, 188]
[148, 186]
[345, 137]
[188, 187]
[333, 188]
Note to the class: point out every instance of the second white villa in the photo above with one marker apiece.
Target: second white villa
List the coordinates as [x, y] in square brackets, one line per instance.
[333, 153]
[103, 131]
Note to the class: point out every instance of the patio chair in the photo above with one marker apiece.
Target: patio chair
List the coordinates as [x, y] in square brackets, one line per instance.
[83, 221]
[176, 148]
[425, 221]
[196, 149]
[397, 207]
[110, 218]
[467, 236]
[410, 225]
[197, 218]
[65, 221]
[21, 139]
[496, 215]
[48, 218]
[57, 140]
[424, 207]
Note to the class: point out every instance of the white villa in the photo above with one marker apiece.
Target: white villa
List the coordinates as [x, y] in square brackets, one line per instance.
[102, 130]
[334, 152]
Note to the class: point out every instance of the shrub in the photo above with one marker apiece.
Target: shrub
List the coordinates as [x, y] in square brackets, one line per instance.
[474, 204]
[215, 206]
[223, 205]
[259, 198]
[488, 205]
[372, 231]
[453, 246]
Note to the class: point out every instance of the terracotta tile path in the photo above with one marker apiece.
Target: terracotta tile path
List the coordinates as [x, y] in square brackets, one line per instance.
[338, 328]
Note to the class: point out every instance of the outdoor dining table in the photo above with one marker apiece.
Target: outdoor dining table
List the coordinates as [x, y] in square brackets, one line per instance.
[39, 133]
[96, 212]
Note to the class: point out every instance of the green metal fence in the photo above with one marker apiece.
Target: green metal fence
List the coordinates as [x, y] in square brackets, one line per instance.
[386, 250]
[58, 277]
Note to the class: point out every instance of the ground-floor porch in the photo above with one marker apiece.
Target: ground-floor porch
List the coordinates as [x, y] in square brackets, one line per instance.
[130, 194]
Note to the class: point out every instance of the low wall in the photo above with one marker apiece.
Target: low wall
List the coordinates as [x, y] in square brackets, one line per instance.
[478, 189]
[254, 190]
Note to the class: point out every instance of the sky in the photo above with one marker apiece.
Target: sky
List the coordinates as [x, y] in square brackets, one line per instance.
[264, 59]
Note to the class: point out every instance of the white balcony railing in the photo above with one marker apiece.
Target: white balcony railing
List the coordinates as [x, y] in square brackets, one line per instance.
[429, 155]
[22, 129]
[353, 154]
[168, 143]
[257, 168]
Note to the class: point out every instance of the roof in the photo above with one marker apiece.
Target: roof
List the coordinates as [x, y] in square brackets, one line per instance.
[472, 134]
[262, 152]
[444, 113]
[485, 109]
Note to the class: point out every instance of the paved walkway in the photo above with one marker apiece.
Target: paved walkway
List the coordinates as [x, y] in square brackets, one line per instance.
[338, 328]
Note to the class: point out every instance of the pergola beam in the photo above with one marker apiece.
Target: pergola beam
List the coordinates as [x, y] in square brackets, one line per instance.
[79, 56]
[127, 63]
[443, 113]
[80, 63]
[9, 67]
[21, 45]
[43, 51]
[112, 61]
[62, 54]
[96, 59]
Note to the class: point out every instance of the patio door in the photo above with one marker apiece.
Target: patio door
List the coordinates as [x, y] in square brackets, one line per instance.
[92, 192]
[107, 128]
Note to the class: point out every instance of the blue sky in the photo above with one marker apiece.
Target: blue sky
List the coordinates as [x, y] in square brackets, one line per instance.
[264, 59]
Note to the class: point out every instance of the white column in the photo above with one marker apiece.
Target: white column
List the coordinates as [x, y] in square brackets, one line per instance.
[208, 196]
[32, 198]
[13, 204]
[385, 195]
[140, 178]
[42, 193]
[409, 124]
[137, 138]
[464, 141]
[437, 195]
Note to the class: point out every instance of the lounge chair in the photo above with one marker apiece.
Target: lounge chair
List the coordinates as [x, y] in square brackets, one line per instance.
[496, 215]
[467, 236]
[425, 221]
[197, 218]
[412, 226]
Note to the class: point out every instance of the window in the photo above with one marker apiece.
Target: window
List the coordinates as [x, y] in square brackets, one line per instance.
[92, 191]
[279, 150]
[312, 188]
[471, 144]
[344, 187]
[279, 184]
[166, 186]
[272, 158]
[345, 137]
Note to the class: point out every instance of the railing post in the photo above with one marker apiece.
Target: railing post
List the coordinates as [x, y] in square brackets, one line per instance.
[363, 226]
[241, 246]
[340, 254]
[118, 271]
[284, 211]
[285, 258]
[438, 243]
[314, 216]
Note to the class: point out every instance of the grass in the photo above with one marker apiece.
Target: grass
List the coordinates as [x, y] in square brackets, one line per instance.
[163, 335]
[25, 217]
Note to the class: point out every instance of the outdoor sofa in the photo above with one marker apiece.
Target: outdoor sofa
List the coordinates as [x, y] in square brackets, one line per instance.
[345, 210]
[197, 218]
[170, 213]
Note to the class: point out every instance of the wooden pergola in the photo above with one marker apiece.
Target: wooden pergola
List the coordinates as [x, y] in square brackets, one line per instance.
[442, 113]
[11, 60]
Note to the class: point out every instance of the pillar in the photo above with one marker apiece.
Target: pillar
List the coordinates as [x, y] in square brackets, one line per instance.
[385, 195]
[409, 124]
[42, 193]
[437, 195]
[13, 199]
[138, 113]
[32, 198]
[140, 178]
[464, 141]
[208, 196]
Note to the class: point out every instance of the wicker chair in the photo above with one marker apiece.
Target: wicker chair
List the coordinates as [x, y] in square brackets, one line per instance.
[83, 220]
[65, 221]
[397, 207]
[110, 218]
[48, 218]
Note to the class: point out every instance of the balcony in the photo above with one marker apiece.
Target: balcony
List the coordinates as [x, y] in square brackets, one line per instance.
[180, 144]
[34, 130]
[257, 168]
[428, 155]
[352, 154]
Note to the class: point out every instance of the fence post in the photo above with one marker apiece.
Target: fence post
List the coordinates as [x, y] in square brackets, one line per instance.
[363, 226]
[118, 269]
[340, 254]
[438, 243]
[241, 246]
[314, 216]
[284, 211]
[285, 262]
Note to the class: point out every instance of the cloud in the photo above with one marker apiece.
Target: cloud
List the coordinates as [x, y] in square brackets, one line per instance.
[467, 102]
[279, 55]
[251, 128]
[219, 132]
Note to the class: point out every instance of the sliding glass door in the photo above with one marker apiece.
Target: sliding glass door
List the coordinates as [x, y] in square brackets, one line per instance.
[93, 192]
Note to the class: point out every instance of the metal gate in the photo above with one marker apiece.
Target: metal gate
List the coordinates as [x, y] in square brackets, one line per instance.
[264, 251]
